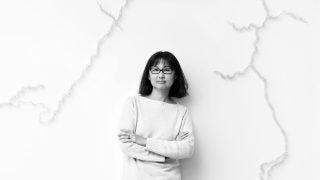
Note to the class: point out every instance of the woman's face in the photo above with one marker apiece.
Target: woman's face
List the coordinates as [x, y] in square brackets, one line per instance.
[164, 79]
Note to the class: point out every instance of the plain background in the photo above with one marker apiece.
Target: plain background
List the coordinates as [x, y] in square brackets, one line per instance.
[66, 67]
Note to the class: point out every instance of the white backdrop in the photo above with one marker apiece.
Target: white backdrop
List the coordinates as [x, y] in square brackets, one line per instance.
[252, 67]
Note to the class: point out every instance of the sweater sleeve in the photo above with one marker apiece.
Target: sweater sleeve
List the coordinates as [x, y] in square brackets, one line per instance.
[128, 118]
[177, 149]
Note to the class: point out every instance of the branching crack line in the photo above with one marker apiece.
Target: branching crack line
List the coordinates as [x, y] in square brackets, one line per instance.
[16, 102]
[266, 167]
[110, 15]
[91, 63]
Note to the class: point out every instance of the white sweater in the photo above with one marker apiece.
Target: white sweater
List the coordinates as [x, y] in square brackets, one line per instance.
[160, 123]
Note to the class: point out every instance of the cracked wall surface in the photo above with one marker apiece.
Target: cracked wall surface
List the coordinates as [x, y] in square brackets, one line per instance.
[252, 67]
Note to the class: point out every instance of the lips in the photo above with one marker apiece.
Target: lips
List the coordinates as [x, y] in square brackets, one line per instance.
[161, 81]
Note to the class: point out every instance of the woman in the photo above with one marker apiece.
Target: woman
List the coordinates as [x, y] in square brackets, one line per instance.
[156, 131]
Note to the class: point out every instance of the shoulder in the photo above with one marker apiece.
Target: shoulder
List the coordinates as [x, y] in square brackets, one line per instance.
[185, 110]
[182, 108]
[131, 99]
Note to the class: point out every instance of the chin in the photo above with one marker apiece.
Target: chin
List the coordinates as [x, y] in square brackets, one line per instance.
[163, 87]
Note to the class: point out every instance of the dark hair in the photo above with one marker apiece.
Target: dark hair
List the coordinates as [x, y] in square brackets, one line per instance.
[179, 87]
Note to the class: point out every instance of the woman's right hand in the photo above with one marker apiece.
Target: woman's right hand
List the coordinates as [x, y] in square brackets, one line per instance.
[182, 136]
[128, 136]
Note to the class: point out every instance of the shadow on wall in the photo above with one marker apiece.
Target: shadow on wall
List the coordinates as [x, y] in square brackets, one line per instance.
[191, 168]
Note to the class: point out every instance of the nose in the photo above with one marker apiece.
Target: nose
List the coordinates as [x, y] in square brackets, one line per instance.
[161, 74]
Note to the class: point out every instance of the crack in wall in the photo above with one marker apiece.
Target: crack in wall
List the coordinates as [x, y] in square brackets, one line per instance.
[110, 15]
[16, 102]
[266, 167]
[91, 63]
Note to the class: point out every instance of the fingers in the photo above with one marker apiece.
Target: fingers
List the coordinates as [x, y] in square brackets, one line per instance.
[123, 134]
[181, 138]
[182, 135]
[126, 140]
[126, 130]
[126, 136]
[184, 132]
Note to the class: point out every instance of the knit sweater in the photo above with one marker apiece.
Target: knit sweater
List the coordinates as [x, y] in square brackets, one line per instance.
[160, 123]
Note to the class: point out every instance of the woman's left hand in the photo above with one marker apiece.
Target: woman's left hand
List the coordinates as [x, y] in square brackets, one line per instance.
[128, 136]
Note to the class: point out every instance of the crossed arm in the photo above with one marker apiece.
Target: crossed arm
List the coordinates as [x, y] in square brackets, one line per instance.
[135, 150]
[151, 149]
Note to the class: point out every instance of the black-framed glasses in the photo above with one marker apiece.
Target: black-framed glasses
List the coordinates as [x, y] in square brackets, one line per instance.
[164, 70]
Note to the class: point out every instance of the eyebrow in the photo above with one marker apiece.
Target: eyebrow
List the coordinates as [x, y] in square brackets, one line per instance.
[163, 67]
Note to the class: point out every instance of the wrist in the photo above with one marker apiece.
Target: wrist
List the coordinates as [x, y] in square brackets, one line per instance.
[144, 141]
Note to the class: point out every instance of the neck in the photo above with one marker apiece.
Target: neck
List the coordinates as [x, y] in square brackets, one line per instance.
[161, 95]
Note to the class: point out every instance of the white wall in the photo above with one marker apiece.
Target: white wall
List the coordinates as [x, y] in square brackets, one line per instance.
[252, 66]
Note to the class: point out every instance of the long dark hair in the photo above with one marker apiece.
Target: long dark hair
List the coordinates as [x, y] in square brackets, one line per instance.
[179, 87]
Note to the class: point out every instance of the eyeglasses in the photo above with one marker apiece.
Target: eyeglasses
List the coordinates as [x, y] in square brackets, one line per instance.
[165, 71]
